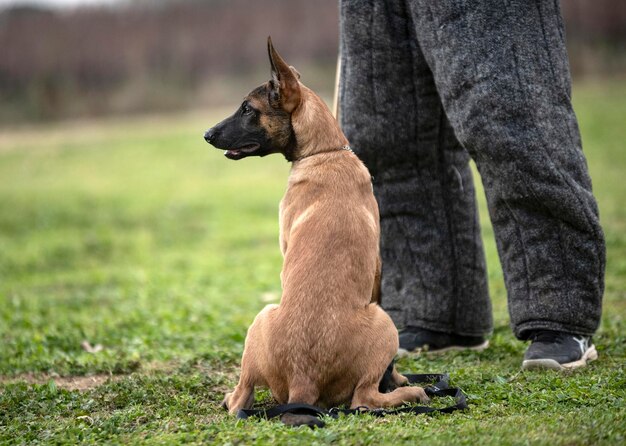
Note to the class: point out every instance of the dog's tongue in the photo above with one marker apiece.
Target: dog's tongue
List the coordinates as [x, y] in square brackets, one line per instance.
[233, 152]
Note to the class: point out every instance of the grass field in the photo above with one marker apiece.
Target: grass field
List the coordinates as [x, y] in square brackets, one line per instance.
[136, 235]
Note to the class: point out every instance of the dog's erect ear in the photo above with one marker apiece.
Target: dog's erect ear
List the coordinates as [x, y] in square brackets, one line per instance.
[285, 86]
[294, 71]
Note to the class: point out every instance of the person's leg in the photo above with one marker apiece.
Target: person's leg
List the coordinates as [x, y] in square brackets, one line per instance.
[434, 273]
[501, 70]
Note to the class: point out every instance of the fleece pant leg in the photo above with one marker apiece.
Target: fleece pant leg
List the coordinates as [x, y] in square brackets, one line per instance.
[502, 73]
[434, 273]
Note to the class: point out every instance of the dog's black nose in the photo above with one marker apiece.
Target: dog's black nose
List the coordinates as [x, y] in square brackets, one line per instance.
[209, 135]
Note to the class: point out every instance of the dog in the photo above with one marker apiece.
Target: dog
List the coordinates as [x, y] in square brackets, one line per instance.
[328, 343]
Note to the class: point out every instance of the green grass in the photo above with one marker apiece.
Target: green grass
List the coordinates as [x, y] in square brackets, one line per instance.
[136, 235]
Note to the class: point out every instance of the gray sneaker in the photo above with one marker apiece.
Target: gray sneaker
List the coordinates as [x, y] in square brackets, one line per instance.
[558, 351]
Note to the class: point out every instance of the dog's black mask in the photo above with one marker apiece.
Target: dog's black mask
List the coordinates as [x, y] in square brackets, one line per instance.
[257, 128]
[262, 125]
[241, 134]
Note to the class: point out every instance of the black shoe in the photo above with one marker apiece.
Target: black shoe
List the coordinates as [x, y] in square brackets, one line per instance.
[415, 339]
[558, 351]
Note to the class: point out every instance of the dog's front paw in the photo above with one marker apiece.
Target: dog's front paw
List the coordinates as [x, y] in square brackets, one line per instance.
[226, 401]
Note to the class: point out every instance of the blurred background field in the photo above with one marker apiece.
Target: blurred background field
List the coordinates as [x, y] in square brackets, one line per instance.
[120, 226]
[132, 56]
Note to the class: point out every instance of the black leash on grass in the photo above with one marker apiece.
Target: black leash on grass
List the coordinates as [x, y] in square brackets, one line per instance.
[441, 388]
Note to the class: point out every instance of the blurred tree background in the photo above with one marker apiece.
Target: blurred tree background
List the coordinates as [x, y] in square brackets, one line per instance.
[158, 55]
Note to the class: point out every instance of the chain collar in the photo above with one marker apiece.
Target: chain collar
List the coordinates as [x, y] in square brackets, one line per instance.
[346, 148]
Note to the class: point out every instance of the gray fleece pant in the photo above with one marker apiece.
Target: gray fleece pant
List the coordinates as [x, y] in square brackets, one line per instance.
[425, 85]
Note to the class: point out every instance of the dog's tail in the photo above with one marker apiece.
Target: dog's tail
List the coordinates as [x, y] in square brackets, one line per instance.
[292, 419]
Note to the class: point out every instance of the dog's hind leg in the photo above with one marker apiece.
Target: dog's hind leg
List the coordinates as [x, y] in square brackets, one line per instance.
[368, 390]
[368, 395]
[384, 341]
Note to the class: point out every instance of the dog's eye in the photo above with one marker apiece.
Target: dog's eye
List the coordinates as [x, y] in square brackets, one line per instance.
[245, 110]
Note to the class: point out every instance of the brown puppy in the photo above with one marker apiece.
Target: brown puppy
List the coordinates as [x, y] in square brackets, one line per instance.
[328, 342]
